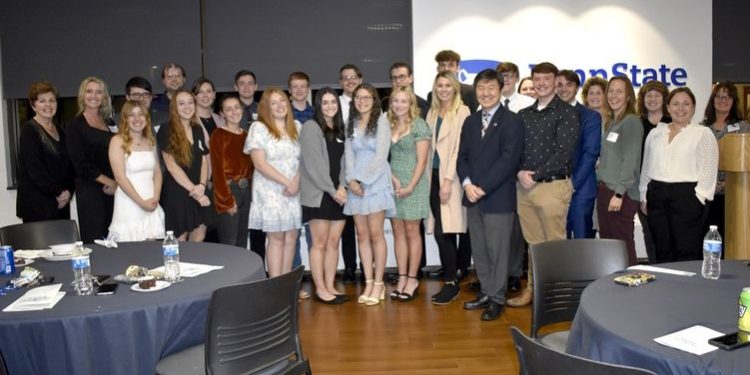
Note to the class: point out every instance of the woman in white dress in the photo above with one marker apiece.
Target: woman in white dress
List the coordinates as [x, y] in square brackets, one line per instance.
[132, 154]
[273, 145]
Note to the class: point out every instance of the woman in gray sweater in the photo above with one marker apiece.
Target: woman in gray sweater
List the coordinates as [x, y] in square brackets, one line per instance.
[322, 192]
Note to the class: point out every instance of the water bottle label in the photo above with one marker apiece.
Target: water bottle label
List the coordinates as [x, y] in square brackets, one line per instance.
[712, 246]
[171, 250]
[81, 263]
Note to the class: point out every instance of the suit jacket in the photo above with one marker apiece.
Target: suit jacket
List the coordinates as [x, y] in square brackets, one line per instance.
[445, 144]
[492, 161]
[587, 152]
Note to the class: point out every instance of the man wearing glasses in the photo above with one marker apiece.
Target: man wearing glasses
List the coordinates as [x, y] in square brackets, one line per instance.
[349, 78]
[173, 79]
[401, 76]
[245, 84]
[139, 89]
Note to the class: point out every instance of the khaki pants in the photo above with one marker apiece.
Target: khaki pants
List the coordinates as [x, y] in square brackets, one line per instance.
[543, 211]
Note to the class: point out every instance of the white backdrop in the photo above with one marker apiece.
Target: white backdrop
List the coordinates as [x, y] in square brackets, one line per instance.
[673, 36]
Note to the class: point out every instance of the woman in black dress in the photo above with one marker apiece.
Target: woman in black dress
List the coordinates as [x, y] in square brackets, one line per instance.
[185, 153]
[322, 192]
[88, 147]
[45, 175]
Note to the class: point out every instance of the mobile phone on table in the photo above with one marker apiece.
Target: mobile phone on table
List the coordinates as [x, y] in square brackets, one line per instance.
[731, 341]
[106, 289]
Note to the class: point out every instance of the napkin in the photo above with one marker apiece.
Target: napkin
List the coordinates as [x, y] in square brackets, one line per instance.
[32, 254]
[106, 243]
[39, 298]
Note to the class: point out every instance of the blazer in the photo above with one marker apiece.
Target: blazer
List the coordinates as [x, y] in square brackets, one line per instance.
[492, 161]
[587, 153]
[453, 213]
[315, 178]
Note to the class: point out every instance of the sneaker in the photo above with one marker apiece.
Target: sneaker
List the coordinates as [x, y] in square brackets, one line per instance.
[447, 294]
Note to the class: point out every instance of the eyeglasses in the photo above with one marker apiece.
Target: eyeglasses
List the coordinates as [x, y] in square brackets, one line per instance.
[364, 98]
[140, 95]
[350, 78]
[508, 75]
[723, 98]
[399, 78]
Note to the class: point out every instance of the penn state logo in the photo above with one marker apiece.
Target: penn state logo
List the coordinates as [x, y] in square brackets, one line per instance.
[470, 69]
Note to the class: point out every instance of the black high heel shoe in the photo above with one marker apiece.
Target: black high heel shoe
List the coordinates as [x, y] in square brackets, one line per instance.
[395, 293]
[404, 296]
[337, 299]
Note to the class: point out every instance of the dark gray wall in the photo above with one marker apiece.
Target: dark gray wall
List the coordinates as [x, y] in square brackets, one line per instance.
[65, 41]
[731, 54]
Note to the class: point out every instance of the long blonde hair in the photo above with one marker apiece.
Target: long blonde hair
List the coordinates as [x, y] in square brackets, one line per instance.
[264, 114]
[105, 110]
[124, 128]
[413, 113]
[456, 103]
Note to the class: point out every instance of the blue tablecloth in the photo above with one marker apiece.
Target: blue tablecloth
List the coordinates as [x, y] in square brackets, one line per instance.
[126, 333]
[617, 324]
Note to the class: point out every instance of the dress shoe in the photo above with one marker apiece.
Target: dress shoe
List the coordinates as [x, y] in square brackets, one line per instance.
[447, 294]
[395, 293]
[461, 274]
[480, 302]
[303, 294]
[492, 311]
[408, 296]
[336, 300]
[514, 284]
[348, 277]
[436, 274]
[523, 299]
[372, 301]
[364, 297]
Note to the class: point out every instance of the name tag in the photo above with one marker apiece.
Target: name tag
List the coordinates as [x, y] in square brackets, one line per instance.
[339, 140]
[732, 128]
[612, 137]
[200, 145]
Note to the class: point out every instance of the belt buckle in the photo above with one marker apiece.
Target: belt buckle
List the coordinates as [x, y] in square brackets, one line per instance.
[243, 182]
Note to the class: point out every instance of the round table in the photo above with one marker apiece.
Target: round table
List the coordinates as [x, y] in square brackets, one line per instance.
[125, 333]
[617, 324]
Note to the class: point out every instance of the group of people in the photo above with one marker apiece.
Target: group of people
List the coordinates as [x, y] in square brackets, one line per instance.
[491, 164]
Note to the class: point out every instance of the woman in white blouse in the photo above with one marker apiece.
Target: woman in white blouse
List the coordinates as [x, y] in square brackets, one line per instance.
[678, 176]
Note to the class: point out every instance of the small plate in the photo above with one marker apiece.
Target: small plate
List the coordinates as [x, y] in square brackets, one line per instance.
[160, 284]
[60, 258]
[23, 262]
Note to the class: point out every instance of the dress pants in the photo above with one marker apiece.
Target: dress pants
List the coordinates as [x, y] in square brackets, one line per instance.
[581, 217]
[94, 211]
[490, 240]
[232, 229]
[349, 245]
[648, 237]
[543, 212]
[676, 218]
[517, 249]
[258, 242]
[446, 242]
[617, 224]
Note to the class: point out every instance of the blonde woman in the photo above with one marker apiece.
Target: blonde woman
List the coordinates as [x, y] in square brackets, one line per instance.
[185, 153]
[137, 215]
[448, 215]
[273, 145]
[88, 146]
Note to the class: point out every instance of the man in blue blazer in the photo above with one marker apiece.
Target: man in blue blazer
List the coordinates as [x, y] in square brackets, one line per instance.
[581, 209]
[489, 157]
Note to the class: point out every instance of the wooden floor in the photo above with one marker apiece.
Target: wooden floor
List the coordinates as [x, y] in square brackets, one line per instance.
[411, 338]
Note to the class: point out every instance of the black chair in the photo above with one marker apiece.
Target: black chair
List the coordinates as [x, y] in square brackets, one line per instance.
[251, 329]
[561, 270]
[40, 234]
[535, 358]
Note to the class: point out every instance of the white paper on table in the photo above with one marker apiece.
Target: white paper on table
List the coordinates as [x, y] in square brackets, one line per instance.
[646, 268]
[192, 269]
[32, 254]
[692, 340]
[39, 298]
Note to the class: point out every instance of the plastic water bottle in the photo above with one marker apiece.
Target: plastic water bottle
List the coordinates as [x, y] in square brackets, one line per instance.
[82, 281]
[171, 251]
[712, 246]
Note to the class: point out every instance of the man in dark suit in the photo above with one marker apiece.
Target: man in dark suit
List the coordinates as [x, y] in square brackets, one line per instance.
[489, 157]
[448, 60]
[581, 210]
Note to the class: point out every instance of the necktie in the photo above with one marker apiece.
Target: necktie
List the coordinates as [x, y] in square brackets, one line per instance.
[506, 103]
[485, 122]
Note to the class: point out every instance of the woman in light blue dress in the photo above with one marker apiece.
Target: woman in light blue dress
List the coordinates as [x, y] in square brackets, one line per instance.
[368, 175]
[273, 145]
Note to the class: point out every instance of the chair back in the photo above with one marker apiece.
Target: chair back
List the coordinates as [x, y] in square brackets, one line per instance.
[535, 358]
[562, 269]
[39, 234]
[252, 327]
